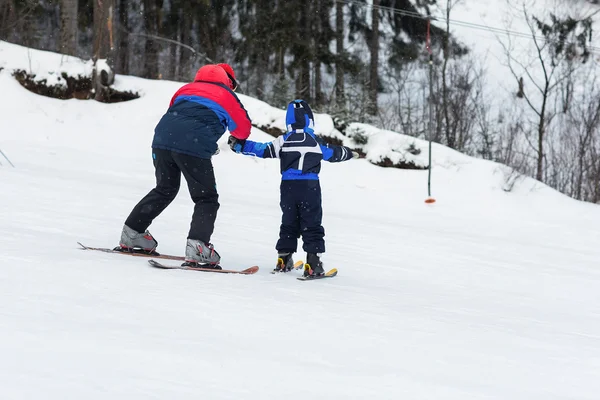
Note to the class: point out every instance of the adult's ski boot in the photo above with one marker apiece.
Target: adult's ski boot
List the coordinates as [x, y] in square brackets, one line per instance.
[200, 254]
[136, 242]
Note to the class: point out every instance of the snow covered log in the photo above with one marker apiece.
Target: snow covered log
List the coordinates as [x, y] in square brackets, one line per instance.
[102, 77]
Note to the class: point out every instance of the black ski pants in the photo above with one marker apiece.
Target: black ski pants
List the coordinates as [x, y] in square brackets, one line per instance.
[200, 177]
[302, 215]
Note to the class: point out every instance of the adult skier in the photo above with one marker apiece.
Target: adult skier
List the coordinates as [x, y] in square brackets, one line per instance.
[184, 141]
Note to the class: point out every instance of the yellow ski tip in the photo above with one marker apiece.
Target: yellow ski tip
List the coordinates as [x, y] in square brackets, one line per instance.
[331, 272]
[298, 264]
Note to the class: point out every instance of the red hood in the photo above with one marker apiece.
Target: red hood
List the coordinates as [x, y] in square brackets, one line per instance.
[212, 73]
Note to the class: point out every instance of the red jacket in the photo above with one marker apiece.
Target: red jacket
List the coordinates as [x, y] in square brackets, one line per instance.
[199, 114]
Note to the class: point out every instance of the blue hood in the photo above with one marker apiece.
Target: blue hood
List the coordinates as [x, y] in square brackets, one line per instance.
[299, 117]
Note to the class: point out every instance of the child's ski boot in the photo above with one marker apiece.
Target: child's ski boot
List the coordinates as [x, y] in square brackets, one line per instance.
[313, 266]
[285, 263]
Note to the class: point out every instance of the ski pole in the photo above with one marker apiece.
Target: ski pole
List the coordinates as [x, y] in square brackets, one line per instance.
[4, 155]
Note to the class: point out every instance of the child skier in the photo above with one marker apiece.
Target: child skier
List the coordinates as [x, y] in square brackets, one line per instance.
[300, 153]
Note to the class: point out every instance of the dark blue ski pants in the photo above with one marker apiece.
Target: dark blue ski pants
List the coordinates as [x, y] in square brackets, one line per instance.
[302, 215]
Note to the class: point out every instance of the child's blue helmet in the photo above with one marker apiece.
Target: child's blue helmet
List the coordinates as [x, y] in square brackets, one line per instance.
[299, 117]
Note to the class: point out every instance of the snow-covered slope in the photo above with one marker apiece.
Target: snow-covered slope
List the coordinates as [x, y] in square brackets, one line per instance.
[487, 294]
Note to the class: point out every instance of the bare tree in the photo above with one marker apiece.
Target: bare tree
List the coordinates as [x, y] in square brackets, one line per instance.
[374, 66]
[187, 21]
[302, 52]
[339, 47]
[402, 116]
[545, 88]
[581, 126]
[461, 107]
[593, 183]
[321, 38]
[485, 137]
[152, 20]
[450, 139]
[558, 43]
[104, 48]
[13, 19]
[123, 56]
[68, 27]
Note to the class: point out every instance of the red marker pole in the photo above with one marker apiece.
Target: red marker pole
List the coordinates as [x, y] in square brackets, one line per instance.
[430, 200]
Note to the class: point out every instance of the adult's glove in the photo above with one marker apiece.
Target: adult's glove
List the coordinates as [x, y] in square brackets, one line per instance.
[237, 145]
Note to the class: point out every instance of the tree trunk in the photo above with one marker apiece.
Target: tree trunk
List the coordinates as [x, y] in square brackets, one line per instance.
[321, 43]
[123, 57]
[7, 18]
[261, 71]
[582, 144]
[319, 98]
[186, 59]
[281, 62]
[260, 47]
[374, 47]
[172, 60]
[302, 58]
[339, 47]
[541, 134]
[151, 48]
[450, 136]
[68, 27]
[103, 48]
[173, 29]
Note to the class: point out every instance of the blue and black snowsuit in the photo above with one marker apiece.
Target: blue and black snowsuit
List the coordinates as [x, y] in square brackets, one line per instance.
[300, 153]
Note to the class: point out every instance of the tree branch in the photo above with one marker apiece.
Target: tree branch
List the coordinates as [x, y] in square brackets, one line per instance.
[156, 37]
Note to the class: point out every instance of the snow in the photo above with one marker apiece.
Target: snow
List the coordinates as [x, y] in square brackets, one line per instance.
[486, 294]
[383, 144]
[43, 64]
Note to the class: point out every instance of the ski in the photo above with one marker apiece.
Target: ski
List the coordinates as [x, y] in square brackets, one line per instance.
[137, 253]
[247, 271]
[329, 274]
[297, 265]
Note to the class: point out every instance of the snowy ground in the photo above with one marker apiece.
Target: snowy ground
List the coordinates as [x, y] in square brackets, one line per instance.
[484, 295]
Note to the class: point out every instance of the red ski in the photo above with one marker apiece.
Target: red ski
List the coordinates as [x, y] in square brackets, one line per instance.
[138, 253]
[247, 271]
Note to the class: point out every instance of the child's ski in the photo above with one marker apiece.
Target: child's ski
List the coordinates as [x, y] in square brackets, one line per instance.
[329, 274]
[297, 265]
[138, 253]
[247, 271]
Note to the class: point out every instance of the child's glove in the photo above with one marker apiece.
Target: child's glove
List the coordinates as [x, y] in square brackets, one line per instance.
[355, 154]
[237, 145]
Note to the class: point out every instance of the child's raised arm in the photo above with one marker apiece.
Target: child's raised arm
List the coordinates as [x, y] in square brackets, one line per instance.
[334, 153]
[257, 149]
